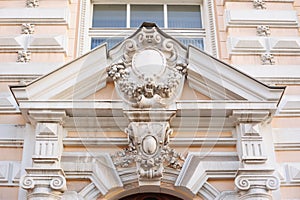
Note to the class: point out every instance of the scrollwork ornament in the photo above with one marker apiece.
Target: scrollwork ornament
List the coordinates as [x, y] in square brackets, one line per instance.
[272, 183]
[27, 183]
[58, 183]
[148, 149]
[242, 183]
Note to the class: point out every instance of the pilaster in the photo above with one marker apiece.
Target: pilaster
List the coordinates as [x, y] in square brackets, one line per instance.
[255, 178]
[46, 179]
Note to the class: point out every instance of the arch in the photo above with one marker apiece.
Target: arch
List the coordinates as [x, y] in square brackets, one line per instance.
[167, 190]
[150, 196]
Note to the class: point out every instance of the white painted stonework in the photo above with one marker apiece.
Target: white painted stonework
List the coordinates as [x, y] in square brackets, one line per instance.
[149, 110]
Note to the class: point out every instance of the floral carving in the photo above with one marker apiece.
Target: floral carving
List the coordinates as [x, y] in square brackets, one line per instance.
[27, 28]
[32, 3]
[267, 59]
[263, 30]
[259, 4]
[24, 56]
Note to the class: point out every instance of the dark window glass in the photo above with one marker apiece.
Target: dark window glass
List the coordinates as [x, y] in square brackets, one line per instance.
[181, 16]
[109, 16]
[146, 13]
[111, 42]
[197, 42]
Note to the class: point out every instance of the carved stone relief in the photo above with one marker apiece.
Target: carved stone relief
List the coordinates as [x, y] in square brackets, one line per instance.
[148, 149]
[32, 3]
[151, 72]
[27, 28]
[263, 30]
[259, 4]
[256, 186]
[267, 59]
[24, 56]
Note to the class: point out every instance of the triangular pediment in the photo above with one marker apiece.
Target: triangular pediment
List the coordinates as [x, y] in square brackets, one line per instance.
[87, 77]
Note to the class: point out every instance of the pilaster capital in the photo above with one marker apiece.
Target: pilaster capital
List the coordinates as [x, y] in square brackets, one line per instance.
[54, 182]
[247, 182]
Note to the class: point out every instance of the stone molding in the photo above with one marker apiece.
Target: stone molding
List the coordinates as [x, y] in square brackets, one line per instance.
[254, 18]
[206, 165]
[263, 45]
[34, 43]
[10, 173]
[289, 173]
[35, 16]
[95, 166]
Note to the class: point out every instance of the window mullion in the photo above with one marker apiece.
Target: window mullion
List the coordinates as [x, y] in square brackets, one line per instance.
[128, 16]
[165, 16]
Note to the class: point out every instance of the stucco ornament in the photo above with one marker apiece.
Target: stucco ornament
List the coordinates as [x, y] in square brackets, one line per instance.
[27, 28]
[259, 4]
[148, 149]
[263, 30]
[151, 72]
[32, 3]
[267, 59]
[24, 56]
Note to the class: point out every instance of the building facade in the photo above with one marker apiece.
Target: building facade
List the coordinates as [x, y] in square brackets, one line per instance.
[194, 99]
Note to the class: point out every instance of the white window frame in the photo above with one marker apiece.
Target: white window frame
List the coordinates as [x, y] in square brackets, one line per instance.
[207, 32]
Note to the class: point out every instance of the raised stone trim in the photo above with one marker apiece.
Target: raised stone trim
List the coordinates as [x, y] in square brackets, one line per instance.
[258, 45]
[34, 16]
[254, 18]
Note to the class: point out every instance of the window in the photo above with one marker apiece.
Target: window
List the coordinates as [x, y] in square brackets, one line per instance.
[184, 16]
[179, 16]
[146, 13]
[112, 23]
[109, 16]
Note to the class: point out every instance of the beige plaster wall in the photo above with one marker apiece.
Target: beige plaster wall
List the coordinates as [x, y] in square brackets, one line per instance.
[7, 193]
